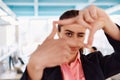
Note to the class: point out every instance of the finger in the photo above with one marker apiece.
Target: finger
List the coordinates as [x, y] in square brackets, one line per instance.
[66, 21]
[84, 24]
[96, 26]
[72, 43]
[54, 31]
[66, 47]
[90, 38]
[87, 16]
[93, 12]
[81, 21]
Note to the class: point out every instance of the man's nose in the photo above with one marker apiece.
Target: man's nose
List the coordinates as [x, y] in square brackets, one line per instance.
[76, 42]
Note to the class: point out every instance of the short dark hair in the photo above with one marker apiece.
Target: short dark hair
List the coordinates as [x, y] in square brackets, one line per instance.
[66, 15]
[94, 48]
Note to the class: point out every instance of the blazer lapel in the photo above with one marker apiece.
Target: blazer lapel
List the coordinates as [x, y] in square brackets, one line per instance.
[52, 74]
[92, 71]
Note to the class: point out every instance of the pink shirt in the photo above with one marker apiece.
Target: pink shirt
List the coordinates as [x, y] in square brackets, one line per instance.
[73, 71]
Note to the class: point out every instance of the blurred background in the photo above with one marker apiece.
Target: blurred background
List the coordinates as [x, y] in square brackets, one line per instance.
[24, 24]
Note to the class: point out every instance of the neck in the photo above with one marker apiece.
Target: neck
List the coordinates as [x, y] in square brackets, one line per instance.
[73, 58]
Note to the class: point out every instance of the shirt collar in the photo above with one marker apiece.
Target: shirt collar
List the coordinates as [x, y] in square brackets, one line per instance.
[77, 60]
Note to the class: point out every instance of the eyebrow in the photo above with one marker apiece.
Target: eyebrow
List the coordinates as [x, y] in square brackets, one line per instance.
[73, 32]
[69, 31]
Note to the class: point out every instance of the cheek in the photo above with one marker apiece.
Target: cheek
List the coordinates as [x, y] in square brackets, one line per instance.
[82, 39]
[63, 36]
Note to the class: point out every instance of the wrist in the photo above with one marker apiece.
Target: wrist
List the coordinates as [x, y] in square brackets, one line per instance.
[34, 71]
[108, 23]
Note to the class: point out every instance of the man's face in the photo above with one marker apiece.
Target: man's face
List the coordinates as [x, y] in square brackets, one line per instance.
[74, 34]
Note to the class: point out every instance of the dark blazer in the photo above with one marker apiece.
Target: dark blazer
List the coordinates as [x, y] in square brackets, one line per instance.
[95, 66]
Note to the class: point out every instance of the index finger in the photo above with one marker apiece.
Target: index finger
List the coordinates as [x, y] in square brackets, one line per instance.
[90, 38]
[66, 21]
[93, 11]
[54, 31]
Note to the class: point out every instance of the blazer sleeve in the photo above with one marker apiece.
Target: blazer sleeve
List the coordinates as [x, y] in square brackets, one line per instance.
[115, 44]
[111, 63]
[25, 75]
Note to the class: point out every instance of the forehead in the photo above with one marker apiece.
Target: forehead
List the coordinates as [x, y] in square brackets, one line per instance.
[74, 28]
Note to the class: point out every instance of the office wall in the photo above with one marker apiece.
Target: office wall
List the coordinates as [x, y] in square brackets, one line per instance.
[3, 37]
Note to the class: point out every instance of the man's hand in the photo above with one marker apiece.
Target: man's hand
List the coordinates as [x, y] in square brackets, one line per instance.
[99, 19]
[94, 18]
[51, 53]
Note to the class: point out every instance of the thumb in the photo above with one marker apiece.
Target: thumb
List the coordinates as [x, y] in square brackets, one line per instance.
[54, 31]
[95, 27]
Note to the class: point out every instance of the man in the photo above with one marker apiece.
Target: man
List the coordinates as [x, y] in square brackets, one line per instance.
[60, 59]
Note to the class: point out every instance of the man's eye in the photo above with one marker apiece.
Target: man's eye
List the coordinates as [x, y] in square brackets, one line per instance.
[80, 35]
[69, 34]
